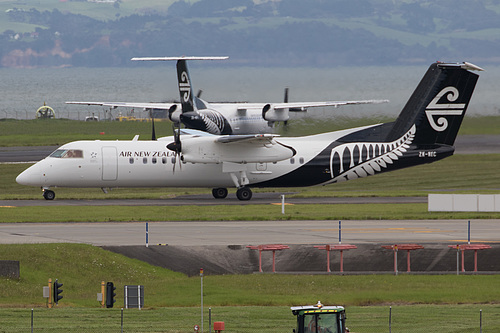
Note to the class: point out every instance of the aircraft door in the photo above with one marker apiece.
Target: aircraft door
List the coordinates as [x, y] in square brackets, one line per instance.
[109, 163]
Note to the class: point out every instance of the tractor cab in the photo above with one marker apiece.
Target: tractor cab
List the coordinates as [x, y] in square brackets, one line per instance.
[319, 319]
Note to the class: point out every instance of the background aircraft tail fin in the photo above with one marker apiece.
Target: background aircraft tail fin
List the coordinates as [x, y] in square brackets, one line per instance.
[438, 104]
[185, 89]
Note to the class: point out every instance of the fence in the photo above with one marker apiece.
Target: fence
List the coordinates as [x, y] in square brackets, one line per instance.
[251, 319]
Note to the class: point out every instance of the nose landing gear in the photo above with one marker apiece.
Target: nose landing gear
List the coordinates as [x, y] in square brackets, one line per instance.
[48, 194]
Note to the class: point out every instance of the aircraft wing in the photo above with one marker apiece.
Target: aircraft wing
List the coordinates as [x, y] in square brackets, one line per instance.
[162, 106]
[305, 105]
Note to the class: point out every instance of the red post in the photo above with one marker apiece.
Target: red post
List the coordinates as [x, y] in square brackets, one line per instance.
[341, 261]
[475, 247]
[274, 261]
[463, 261]
[260, 260]
[341, 248]
[268, 247]
[408, 261]
[475, 260]
[407, 247]
[395, 259]
[328, 260]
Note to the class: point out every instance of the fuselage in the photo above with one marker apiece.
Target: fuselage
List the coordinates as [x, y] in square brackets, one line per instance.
[228, 118]
[319, 159]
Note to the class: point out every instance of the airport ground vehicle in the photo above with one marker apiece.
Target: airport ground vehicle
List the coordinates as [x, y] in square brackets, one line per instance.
[320, 319]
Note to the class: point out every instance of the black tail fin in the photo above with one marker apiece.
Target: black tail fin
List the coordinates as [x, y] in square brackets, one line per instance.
[185, 90]
[438, 105]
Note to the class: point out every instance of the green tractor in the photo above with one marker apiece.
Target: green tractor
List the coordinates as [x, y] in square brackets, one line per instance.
[320, 319]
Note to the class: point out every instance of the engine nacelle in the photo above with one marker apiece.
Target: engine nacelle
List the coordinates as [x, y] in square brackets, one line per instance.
[174, 113]
[269, 113]
[206, 150]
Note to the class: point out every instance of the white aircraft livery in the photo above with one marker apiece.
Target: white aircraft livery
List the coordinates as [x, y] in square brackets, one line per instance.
[424, 132]
[222, 118]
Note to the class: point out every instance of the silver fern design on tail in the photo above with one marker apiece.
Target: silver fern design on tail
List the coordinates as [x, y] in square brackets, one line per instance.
[214, 121]
[361, 159]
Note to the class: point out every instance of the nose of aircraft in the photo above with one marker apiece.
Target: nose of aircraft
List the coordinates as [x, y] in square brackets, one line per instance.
[29, 177]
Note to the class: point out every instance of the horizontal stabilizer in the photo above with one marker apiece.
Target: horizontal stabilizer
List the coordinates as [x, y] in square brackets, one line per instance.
[177, 58]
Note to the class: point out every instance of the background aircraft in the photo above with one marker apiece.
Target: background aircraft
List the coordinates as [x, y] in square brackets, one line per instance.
[222, 118]
[424, 132]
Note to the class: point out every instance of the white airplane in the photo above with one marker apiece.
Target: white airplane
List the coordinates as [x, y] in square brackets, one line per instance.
[222, 118]
[424, 132]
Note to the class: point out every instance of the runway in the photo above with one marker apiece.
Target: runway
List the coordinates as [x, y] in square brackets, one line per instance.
[253, 232]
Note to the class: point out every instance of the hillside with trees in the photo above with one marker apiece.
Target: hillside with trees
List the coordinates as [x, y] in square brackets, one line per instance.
[254, 33]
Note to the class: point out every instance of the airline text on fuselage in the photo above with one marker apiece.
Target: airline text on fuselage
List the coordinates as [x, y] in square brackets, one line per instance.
[146, 154]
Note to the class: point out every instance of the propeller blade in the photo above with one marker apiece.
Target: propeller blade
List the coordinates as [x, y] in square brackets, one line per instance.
[153, 132]
[176, 146]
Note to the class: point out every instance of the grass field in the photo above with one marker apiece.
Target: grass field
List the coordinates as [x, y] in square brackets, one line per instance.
[247, 303]
[60, 131]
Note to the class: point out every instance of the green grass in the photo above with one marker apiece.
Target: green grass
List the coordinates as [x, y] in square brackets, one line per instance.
[246, 303]
[231, 213]
[60, 131]
[82, 279]
[414, 319]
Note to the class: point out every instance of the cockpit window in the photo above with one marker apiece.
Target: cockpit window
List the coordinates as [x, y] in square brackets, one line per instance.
[58, 153]
[67, 153]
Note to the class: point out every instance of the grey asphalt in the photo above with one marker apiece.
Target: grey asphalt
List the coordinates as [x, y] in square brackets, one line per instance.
[253, 232]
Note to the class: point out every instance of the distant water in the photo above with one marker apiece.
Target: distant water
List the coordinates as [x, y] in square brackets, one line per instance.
[23, 91]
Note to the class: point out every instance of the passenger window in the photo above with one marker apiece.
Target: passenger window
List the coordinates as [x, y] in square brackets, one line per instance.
[301, 160]
[153, 160]
[164, 160]
[131, 160]
[145, 160]
[292, 160]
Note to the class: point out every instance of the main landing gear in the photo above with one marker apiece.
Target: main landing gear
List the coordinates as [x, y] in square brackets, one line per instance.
[219, 193]
[48, 194]
[243, 193]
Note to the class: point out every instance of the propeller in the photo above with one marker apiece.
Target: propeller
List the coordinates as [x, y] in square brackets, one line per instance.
[171, 111]
[176, 146]
[153, 132]
[286, 101]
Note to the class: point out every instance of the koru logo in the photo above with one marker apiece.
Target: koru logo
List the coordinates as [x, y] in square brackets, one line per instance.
[185, 87]
[444, 109]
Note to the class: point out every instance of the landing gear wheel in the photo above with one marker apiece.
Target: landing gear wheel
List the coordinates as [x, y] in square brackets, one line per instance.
[244, 193]
[49, 195]
[219, 193]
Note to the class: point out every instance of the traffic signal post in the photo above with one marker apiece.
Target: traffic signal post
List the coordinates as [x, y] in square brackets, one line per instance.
[57, 290]
[110, 294]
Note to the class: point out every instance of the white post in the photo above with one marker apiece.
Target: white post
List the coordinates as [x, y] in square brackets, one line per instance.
[126, 297]
[139, 296]
[282, 204]
[201, 276]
